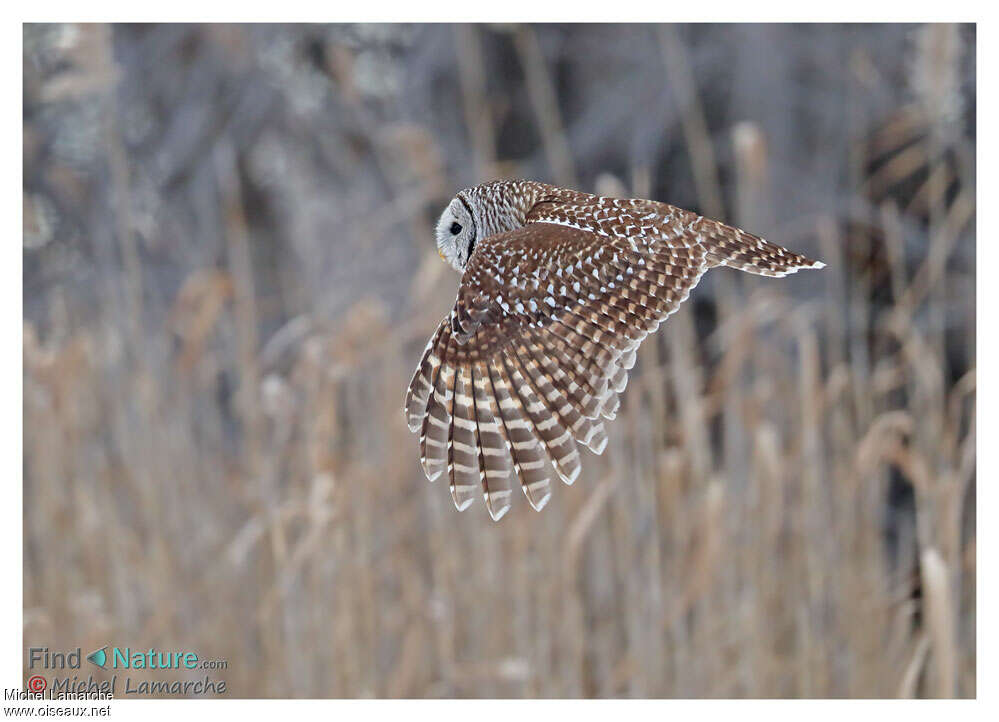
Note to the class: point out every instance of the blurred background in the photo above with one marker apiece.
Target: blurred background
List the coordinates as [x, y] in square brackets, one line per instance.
[229, 276]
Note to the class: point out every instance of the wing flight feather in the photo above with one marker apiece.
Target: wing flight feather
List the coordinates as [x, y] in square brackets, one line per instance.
[537, 349]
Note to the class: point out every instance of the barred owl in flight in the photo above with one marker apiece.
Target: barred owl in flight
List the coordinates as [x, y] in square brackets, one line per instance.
[558, 289]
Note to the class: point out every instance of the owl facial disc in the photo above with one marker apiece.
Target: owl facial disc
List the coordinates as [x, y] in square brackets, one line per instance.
[456, 234]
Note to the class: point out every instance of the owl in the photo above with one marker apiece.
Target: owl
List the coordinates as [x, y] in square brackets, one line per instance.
[558, 289]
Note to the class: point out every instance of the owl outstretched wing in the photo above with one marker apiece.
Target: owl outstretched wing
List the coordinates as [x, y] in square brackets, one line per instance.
[537, 348]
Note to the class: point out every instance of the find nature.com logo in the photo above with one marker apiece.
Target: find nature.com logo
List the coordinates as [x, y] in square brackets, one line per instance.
[117, 659]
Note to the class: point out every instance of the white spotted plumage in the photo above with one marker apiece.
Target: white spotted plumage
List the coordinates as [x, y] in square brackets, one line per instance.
[558, 289]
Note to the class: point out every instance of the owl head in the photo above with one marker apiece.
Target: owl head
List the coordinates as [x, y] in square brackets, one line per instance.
[456, 233]
[482, 211]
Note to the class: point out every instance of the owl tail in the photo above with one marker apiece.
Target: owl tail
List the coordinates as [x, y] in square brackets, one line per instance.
[728, 246]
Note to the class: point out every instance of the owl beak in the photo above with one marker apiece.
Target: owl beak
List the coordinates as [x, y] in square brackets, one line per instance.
[441, 254]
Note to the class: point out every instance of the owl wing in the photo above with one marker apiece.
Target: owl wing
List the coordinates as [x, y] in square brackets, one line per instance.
[536, 350]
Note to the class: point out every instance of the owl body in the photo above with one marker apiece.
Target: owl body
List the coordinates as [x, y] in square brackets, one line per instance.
[558, 289]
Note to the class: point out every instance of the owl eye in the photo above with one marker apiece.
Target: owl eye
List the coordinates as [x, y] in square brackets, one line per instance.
[455, 228]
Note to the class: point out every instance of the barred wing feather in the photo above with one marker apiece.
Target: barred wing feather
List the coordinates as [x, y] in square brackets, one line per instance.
[534, 354]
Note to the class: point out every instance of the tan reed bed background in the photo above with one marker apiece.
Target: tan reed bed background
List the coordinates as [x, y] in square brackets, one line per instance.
[215, 453]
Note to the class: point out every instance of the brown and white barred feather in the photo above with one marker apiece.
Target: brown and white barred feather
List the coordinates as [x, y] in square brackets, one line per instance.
[552, 306]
